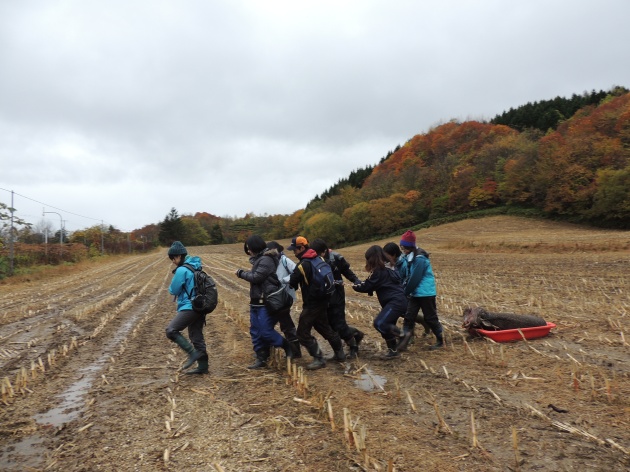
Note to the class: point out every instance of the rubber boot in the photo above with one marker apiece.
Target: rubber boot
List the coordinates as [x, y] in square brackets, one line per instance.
[358, 337]
[405, 340]
[202, 366]
[291, 336]
[288, 350]
[261, 359]
[392, 353]
[296, 350]
[439, 344]
[354, 348]
[318, 358]
[427, 328]
[340, 355]
[193, 354]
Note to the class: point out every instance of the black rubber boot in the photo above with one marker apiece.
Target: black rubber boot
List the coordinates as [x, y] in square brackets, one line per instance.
[288, 350]
[439, 344]
[340, 355]
[427, 328]
[291, 336]
[405, 340]
[358, 337]
[295, 348]
[193, 354]
[318, 358]
[392, 352]
[261, 359]
[354, 348]
[202, 366]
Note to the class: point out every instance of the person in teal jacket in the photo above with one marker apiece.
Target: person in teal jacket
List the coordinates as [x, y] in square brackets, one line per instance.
[182, 287]
[397, 261]
[420, 290]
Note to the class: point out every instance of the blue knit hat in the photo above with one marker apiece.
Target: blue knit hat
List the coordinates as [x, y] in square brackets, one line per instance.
[177, 249]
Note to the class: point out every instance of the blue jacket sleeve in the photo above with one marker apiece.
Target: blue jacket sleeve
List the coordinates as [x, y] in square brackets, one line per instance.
[179, 281]
[418, 269]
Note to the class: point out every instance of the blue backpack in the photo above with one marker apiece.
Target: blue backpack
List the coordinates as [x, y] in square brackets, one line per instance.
[322, 283]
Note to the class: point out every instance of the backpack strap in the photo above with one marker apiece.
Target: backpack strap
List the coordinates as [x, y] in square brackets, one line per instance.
[192, 269]
[303, 273]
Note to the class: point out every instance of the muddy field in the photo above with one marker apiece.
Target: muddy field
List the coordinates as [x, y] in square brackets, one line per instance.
[90, 382]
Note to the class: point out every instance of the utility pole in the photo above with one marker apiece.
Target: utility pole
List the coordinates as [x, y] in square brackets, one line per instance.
[60, 229]
[11, 254]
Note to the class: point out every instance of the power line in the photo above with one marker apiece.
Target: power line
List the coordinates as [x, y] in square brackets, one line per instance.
[52, 206]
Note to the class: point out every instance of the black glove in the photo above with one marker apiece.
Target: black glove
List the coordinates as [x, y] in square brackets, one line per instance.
[239, 272]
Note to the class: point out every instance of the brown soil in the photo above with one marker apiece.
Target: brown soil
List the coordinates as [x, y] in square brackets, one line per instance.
[108, 394]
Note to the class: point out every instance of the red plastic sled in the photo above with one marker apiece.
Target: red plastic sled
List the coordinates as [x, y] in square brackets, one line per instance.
[507, 335]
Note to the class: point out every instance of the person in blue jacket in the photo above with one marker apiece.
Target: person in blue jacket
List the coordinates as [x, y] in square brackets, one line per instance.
[391, 296]
[419, 283]
[398, 261]
[182, 287]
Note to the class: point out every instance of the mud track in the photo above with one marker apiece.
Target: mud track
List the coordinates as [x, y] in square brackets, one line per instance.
[91, 383]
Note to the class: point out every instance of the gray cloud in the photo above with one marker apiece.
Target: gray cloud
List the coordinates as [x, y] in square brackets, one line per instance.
[113, 110]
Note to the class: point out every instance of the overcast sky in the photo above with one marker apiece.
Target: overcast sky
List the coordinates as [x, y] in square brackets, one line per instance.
[121, 110]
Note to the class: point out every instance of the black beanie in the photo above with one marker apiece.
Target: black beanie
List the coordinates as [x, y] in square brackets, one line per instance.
[177, 249]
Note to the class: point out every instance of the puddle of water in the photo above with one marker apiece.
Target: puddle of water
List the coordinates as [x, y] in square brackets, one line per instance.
[26, 454]
[370, 381]
[73, 399]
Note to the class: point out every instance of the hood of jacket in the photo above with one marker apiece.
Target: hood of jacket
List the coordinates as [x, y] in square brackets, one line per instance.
[308, 254]
[194, 261]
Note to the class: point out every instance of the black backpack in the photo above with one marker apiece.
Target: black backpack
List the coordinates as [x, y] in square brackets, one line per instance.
[323, 282]
[206, 294]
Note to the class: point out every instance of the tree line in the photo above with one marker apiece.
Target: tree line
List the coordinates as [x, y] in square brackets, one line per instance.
[575, 167]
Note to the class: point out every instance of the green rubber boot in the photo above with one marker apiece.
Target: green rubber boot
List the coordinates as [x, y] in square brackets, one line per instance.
[202, 366]
[193, 354]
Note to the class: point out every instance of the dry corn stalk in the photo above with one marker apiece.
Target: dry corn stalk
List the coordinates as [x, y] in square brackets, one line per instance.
[330, 414]
[413, 406]
[515, 446]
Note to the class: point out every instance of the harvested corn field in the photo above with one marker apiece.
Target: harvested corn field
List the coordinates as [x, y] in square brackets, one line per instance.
[90, 382]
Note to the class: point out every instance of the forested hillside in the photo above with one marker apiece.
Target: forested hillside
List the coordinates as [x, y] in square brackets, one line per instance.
[577, 170]
[580, 171]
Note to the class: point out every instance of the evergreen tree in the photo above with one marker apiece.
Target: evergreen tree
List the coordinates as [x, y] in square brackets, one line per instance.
[216, 235]
[172, 229]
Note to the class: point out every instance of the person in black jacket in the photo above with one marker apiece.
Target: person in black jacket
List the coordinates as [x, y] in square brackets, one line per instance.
[391, 296]
[313, 313]
[263, 280]
[336, 310]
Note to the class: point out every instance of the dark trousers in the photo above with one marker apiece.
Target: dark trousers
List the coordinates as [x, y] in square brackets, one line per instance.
[337, 319]
[429, 310]
[385, 321]
[261, 329]
[287, 326]
[194, 322]
[315, 317]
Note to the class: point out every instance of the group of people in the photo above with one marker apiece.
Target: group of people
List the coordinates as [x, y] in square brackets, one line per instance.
[400, 274]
